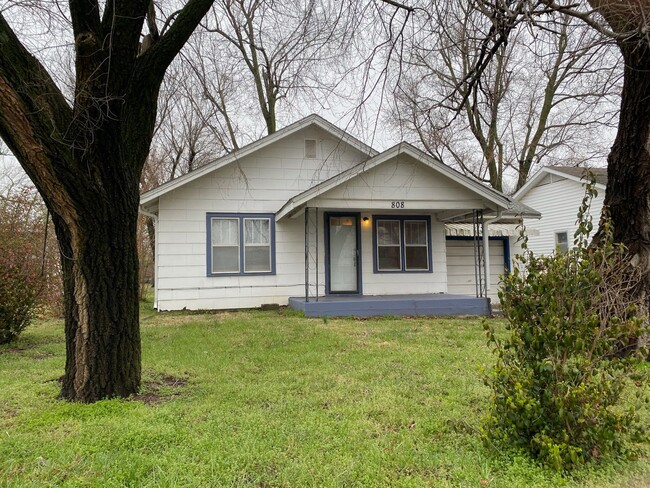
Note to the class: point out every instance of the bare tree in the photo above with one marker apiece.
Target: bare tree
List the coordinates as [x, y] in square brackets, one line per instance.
[627, 23]
[546, 96]
[85, 156]
[274, 51]
[185, 136]
[256, 55]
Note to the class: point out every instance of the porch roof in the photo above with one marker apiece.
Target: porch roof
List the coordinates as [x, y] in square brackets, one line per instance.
[485, 198]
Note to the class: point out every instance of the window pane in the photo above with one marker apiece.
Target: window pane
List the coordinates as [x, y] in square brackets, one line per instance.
[388, 232]
[225, 259]
[562, 241]
[388, 258]
[257, 258]
[257, 231]
[225, 232]
[416, 258]
[415, 232]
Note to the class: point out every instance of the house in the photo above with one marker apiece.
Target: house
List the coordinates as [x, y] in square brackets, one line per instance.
[312, 217]
[557, 192]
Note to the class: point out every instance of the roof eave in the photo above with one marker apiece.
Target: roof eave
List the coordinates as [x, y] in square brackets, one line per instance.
[325, 125]
[296, 203]
[532, 182]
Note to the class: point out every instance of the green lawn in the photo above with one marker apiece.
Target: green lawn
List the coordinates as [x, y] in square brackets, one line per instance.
[272, 399]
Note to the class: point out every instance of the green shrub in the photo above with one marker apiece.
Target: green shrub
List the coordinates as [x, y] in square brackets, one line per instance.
[19, 291]
[560, 372]
[22, 275]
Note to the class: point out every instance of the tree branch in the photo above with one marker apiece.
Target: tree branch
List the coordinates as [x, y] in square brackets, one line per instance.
[399, 5]
[155, 60]
[34, 119]
[85, 17]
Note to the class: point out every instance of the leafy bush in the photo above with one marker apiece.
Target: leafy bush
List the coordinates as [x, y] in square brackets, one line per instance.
[560, 372]
[19, 291]
[27, 278]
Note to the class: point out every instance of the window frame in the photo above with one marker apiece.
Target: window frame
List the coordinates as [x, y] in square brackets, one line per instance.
[241, 217]
[558, 246]
[402, 219]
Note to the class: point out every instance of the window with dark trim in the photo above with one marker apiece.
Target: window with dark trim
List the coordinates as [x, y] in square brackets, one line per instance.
[240, 244]
[402, 244]
[562, 241]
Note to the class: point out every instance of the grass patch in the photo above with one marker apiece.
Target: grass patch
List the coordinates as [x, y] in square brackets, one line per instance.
[272, 399]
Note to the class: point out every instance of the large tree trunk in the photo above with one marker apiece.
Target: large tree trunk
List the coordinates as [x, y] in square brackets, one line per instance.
[628, 171]
[100, 269]
[86, 162]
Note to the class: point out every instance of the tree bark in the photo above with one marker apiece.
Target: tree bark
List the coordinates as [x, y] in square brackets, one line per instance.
[86, 161]
[100, 271]
[628, 170]
[628, 164]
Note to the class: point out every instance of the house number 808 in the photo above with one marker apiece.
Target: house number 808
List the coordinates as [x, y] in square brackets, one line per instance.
[396, 204]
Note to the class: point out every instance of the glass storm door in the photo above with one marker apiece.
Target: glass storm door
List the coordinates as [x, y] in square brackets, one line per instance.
[343, 253]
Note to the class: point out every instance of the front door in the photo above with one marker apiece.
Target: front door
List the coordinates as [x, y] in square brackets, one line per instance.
[343, 252]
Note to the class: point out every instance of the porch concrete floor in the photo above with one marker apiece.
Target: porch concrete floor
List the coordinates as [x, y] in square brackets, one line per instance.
[434, 305]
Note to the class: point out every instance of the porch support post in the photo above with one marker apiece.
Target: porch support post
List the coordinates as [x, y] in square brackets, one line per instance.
[316, 237]
[306, 254]
[486, 255]
[477, 224]
[311, 253]
[486, 247]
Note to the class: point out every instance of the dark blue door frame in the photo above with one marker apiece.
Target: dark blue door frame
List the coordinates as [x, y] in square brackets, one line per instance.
[326, 224]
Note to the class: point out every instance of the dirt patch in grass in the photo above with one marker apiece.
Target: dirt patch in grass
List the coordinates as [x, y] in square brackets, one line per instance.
[8, 413]
[15, 350]
[30, 351]
[160, 387]
[39, 355]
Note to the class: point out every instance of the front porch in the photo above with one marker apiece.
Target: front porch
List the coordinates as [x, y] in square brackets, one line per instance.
[434, 305]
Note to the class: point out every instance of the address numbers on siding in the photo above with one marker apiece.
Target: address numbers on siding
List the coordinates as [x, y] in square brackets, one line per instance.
[397, 204]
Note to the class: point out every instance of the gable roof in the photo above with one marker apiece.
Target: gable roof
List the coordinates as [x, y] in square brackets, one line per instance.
[313, 119]
[297, 203]
[600, 174]
[573, 173]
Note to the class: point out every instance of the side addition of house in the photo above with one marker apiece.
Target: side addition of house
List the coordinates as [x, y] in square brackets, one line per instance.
[557, 192]
[312, 217]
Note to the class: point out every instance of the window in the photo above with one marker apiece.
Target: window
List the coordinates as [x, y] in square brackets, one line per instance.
[389, 238]
[562, 241]
[310, 148]
[402, 244]
[240, 244]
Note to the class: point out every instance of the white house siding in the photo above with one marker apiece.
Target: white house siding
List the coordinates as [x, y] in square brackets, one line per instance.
[405, 283]
[371, 283]
[421, 189]
[460, 267]
[558, 203]
[262, 183]
[402, 179]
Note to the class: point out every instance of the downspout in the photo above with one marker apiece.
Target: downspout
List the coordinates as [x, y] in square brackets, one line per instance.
[486, 247]
[153, 217]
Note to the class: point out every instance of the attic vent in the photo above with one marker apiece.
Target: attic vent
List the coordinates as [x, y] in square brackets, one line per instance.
[310, 148]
